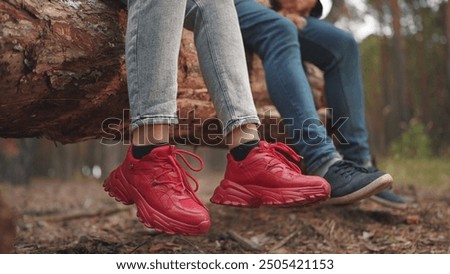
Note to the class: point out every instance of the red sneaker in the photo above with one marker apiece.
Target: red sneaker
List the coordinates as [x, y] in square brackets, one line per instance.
[161, 189]
[267, 178]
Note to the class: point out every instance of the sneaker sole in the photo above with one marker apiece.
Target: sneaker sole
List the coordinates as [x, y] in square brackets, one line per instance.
[388, 203]
[371, 189]
[119, 188]
[233, 194]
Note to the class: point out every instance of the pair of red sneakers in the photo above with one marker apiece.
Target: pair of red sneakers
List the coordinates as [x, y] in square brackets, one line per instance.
[166, 200]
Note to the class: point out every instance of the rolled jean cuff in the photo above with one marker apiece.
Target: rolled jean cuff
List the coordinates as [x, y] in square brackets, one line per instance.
[153, 120]
[317, 164]
[234, 123]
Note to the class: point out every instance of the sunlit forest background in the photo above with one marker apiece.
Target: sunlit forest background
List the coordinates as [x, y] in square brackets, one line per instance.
[405, 53]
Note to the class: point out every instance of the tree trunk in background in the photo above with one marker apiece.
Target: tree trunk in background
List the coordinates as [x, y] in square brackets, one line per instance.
[447, 34]
[338, 10]
[7, 228]
[401, 97]
[423, 83]
[386, 87]
[17, 160]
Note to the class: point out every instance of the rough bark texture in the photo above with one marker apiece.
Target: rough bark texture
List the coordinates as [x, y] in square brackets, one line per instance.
[62, 68]
[63, 75]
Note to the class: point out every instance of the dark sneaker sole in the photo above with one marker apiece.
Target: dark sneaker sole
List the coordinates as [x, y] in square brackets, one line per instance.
[233, 194]
[117, 187]
[373, 188]
[387, 203]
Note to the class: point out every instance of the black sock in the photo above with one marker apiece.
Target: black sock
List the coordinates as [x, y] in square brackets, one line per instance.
[139, 152]
[240, 152]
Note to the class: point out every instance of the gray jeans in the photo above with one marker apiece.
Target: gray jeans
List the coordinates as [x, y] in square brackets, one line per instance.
[152, 48]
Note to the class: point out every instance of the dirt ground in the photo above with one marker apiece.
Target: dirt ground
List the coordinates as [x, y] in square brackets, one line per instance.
[79, 217]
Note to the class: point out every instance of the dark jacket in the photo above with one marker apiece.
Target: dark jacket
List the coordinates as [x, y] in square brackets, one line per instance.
[315, 12]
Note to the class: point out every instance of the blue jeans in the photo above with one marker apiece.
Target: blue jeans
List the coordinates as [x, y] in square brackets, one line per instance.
[282, 48]
[152, 48]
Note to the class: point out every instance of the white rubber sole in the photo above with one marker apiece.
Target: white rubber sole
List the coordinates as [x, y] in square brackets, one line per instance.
[386, 203]
[371, 189]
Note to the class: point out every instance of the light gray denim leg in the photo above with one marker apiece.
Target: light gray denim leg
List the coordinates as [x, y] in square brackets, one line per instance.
[153, 42]
[152, 49]
[222, 59]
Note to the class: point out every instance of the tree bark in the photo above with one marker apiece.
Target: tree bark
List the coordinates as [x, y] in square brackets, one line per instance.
[62, 68]
[447, 35]
[64, 77]
[403, 98]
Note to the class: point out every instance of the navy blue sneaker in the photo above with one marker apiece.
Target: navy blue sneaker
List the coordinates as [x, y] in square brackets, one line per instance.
[387, 197]
[351, 183]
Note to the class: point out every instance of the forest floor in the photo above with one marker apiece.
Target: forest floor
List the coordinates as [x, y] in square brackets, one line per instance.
[79, 217]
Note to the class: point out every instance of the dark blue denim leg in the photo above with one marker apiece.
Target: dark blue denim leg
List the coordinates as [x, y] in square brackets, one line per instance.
[337, 53]
[275, 39]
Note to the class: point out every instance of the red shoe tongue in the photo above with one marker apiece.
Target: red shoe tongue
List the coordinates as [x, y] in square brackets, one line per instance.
[160, 152]
[263, 144]
[163, 149]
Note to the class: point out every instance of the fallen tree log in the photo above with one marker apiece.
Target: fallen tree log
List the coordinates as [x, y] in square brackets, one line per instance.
[63, 76]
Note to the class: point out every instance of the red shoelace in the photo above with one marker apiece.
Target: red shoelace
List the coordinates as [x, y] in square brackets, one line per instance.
[171, 164]
[286, 155]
